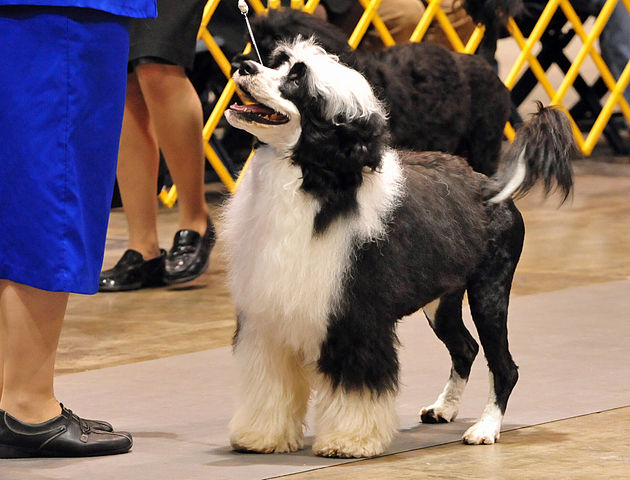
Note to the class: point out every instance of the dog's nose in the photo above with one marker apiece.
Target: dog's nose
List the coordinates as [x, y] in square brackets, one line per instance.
[247, 67]
[237, 60]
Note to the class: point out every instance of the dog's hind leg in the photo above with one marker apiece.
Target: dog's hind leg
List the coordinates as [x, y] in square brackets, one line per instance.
[488, 295]
[445, 318]
[272, 398]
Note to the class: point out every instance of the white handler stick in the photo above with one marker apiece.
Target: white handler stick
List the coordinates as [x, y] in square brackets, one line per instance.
[242, 6]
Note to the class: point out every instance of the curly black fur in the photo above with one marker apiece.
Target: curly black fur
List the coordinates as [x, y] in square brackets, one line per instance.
[437, 99]
[424, 256]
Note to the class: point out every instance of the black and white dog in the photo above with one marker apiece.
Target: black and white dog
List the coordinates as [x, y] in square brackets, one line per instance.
[333, 236]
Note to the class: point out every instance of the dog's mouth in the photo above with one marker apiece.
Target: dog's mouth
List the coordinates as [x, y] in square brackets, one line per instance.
[257, 112]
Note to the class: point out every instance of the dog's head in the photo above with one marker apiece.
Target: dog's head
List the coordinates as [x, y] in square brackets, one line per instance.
[303, 84]
[317, 112]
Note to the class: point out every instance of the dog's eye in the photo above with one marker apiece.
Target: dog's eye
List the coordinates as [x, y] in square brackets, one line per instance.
[297, 72]
[278, 59]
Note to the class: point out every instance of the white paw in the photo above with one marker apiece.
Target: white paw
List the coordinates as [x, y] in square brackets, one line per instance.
[349, 447]
[446, 407]
[264, 442]
[438, 413]
[482, 433]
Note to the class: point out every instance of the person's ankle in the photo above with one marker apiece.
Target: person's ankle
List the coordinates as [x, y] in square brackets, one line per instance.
[33, 411]
[147, 253]
[197, 224]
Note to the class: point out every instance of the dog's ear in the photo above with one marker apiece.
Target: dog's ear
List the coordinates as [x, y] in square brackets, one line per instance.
[333, 158]
[365, 139]
[297, 72]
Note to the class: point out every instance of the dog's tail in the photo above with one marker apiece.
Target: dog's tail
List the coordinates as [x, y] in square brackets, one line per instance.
[541, 151]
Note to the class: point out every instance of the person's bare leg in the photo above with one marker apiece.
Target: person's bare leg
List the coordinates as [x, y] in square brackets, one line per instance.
[30, 325]
[177, 119]
[138, 161]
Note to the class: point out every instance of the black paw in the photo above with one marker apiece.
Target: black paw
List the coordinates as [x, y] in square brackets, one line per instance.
[430, 417]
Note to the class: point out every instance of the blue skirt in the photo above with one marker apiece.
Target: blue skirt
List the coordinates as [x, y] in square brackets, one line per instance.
[63, 74]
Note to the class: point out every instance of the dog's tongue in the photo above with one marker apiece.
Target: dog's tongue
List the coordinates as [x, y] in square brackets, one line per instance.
[252, 108]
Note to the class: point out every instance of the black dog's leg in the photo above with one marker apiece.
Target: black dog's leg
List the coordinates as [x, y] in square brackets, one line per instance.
[488, 295]
[356, 387]
[445, 318]
[352, 423]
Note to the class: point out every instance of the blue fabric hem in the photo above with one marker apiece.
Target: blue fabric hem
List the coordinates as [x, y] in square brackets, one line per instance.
[147, 10]
[27, 279]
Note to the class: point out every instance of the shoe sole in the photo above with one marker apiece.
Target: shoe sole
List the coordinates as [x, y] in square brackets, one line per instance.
[125, 288]
[8, 451]
[135, 286]
[179, 280]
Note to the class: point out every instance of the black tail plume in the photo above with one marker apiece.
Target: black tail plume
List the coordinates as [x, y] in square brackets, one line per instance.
[541, 151]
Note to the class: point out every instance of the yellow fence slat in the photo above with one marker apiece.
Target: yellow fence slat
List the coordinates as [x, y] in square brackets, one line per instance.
[603, 118]
[537, 69]
[208, 11]
[571, 75]
[425, 22]
[310, 6]
[450, 32]
[218, 166]
[379, 26]
[217, 53]
[597, 58]
[475, 39]
[168, 196]
[364, 22]
[534, 36]
[257, 6]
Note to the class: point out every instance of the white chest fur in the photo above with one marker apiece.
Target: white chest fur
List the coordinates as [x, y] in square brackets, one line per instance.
[285, 280]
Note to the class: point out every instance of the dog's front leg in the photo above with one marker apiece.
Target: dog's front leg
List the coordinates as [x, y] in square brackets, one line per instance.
[351, 424]
[272, 399]
[356, 388]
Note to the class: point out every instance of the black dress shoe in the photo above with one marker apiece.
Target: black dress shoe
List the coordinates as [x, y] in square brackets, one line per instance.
[190, 255]
[133, 272]
[99, 425]
[64, 436]
[93, 424]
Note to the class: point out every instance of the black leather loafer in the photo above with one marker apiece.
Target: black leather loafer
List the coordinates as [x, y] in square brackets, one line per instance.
[190, 255]
[99, 425]
[64, 436]
[93, 424]
[132, 272]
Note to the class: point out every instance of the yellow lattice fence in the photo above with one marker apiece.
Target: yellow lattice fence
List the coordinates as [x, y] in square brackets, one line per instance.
[434, 12]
